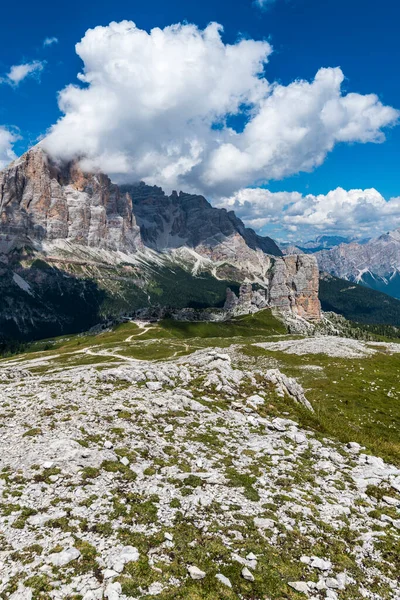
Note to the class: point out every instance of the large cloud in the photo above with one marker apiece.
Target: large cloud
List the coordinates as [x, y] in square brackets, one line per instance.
[7, 139]
[154, 106]
[362, 212]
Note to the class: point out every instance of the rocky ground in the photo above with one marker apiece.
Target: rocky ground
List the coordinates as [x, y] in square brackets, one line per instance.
[186, 478]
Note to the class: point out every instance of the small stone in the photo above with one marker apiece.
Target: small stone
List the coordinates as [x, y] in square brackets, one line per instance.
[48, 464]
[195, 572]
[262, 523]
[155, 588]
[299, 586]
[332, 583]
[251, 556]
[342, 580]
[300, 438]
[223, 579]
[109, 573]
[255, 399]
[94, 594]
[154, 386]
[391, 501]
[320, 563]
[305, 560]
[354, 447]
[168, 429]
[311, 585]
[124, 461]
[168, 536]
[223, 357]
[113, 591]
[60, 559]
[321, 585]
[108, 444]
[246, 574]
[122, 556]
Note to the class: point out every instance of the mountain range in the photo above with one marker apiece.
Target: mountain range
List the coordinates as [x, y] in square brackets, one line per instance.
[76, 249]
[375, 264]
[321, 242]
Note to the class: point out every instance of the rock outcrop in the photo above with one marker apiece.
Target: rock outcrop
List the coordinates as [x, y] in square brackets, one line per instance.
[292, 288]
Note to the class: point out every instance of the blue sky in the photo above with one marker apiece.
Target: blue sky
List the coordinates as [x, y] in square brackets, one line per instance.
[360, 36]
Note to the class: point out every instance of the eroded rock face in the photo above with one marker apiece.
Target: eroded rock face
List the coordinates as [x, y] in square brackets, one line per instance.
[189, 220]
[294, 286]
[41, 201]
[291, 286]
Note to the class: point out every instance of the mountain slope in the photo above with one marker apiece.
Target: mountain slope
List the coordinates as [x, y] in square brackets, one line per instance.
[188, 220]
[322, 242]
[375, 264]
[41, 200]
[357, 303]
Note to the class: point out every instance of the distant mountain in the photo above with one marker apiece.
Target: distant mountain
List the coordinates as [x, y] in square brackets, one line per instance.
[357, 303]
[375, 264]
[76, 248]
[322, 242]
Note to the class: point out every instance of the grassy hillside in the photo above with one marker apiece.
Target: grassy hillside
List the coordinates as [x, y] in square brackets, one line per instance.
[358, 303]
[354, 399]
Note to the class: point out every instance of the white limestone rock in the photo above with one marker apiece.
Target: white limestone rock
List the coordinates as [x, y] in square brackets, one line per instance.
[60, 559]
[195, 572]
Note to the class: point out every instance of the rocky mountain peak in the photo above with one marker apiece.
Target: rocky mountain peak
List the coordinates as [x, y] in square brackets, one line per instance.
[189, 220]
[41, 201]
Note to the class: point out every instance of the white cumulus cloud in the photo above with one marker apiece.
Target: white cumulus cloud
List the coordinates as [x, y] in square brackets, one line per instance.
[294, 129]
[18, 73]
[156, 106]
[347, 212]
[7, 139]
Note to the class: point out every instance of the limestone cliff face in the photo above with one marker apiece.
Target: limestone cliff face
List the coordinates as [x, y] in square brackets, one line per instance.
[294, 286]
[291, 286]
[41, 201]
